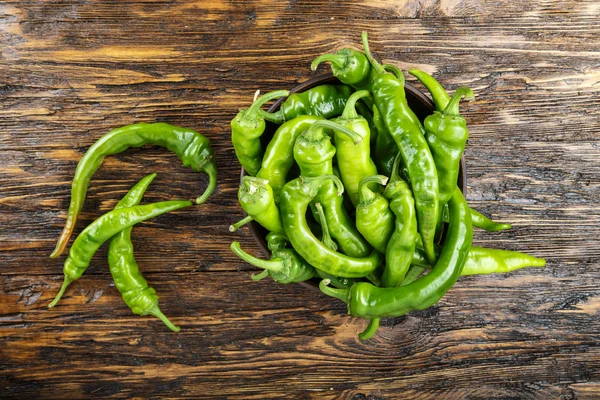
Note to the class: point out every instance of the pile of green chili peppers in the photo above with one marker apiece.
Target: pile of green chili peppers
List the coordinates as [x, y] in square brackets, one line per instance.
[195, 152]
[355, 191]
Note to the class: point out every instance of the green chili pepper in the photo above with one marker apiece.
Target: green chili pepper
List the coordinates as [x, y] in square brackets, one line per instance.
[134, 289]
[326, 236]
[480, 260]
[102, 229]
[407, 131]
[246, 129]
[325, 101]
[401, 246]
[295, 198]
[368, 301]
[354, 160]
[314, 153]
[447, 134]
[276, 241]
[257, 200]
[374, 219]
[191, 147]
[279, 154]
[285, 265]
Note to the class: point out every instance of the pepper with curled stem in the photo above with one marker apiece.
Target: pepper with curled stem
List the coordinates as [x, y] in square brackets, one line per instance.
[295, 198]
[246, 129]
[102, 229]
[192, 148]
[285, 265]
[134, 289]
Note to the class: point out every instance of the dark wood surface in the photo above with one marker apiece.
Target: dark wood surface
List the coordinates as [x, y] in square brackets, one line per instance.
[72, 70]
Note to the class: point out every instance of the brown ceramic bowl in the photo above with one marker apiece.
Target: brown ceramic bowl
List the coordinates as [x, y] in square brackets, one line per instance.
[421, 105]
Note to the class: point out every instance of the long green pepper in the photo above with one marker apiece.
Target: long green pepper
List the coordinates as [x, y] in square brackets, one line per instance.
[134, 289]
[374, 219]
[192, 148]
[407, 131]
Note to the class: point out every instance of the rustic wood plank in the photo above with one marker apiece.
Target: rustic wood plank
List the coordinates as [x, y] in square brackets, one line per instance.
[71, 71]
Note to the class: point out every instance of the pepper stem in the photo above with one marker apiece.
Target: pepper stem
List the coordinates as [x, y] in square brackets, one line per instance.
[258, 277]
[437, 91]
[234, 227]
[311, 185]
[158, 314]
[339, 60]
[311, 134]
[66, 282]
[277, 117]
[327, 240]
[397, 72]
[452, 107]
[365, 40]
[341, 294]
[211, 170]
[370, 330]
[395, 167]
[269, 265]
[252, 111]
[367, 194]
[350, 108]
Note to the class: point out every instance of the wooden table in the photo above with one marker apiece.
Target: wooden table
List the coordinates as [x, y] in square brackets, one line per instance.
[72, 70]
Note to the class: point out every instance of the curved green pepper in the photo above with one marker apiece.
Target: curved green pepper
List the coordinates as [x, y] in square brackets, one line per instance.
[192, 148]
[257, 200]
[295, 198]
[325, 101]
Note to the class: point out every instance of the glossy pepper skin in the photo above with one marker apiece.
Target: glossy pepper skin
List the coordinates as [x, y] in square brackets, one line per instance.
[438, 93]
[192, 148]
[257, 200]
[446, 133]
[276, 241]
[314, 153]
[136, 293]
[354, 159]
[480, 260]
[401, 245]
[102, 229]
[279, 154]
[350, 66]
[295, 198]
[285, 265]
[483, 222]
[325, 101]
[368, 301]
[246, 129]
[374, 219]
[407, 131]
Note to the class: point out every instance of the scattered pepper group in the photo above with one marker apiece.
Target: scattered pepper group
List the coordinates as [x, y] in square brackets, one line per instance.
[402, 213]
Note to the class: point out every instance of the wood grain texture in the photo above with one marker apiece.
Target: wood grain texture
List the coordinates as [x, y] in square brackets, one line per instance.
[72, 70]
